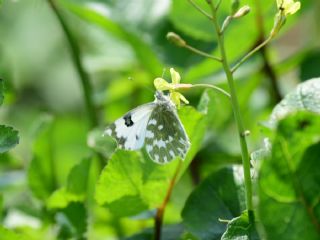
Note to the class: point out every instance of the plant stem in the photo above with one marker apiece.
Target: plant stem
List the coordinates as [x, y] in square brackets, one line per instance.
[76, 56]
[160, 211]
[199, 9]
[213, 87]
[237, 115]
[253, 51]
[199, 52]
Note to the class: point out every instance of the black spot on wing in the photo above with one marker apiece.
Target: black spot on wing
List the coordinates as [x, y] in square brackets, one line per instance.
[128, 120]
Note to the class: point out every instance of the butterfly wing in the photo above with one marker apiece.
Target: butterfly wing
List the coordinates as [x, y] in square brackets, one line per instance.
[129, 130]
[165, 137]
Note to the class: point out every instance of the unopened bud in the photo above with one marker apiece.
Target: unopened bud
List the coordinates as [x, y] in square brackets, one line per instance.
[176, 39]
[279, 21]
[242, 12]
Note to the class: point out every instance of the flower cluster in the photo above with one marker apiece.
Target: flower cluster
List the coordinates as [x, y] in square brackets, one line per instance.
[175, 96]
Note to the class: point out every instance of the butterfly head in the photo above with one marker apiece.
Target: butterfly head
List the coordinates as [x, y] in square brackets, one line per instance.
[161, 97]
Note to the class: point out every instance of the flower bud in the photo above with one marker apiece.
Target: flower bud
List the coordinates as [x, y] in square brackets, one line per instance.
[242, 12]
[279, 21]
[176, 39]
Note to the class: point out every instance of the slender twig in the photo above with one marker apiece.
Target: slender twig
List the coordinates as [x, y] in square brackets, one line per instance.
[199, 9]
[213, 87]
[237, 115]
[199, 52]
[218, 5]
[76, 56]
[248, 55]
[161, 209]
[83, 76]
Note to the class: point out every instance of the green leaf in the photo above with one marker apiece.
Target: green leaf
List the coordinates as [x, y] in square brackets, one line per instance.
[289, 182]
[130, 178]
[215, 198]
[76, 188]
[72, 221]
[239, 228]
[127, 183]
[7, 234]
[309, 66]
[78, 178]
[8, 138]
[170, 232]
[193, 23]
[41, 178]
[306, 96]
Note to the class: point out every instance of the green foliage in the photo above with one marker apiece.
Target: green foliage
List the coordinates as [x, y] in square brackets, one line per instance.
[76, 188]
[215, 198]
[306, 96]
[72, 221]
[289, 183]
[8, 138]
[130, 178]
[194, 23]
[67, 181]
[41, 176]
[9, 235]
[240, 228]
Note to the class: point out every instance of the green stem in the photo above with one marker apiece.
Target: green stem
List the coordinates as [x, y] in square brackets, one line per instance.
[76, 56]
[213, 87]
[253, 51]
[199, 52]
[237, 115]
[199, 9]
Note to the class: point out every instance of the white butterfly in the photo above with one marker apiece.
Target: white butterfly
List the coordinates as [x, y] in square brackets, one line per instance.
[155, 125]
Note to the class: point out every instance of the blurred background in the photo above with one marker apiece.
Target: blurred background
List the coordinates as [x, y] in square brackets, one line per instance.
[123, 48]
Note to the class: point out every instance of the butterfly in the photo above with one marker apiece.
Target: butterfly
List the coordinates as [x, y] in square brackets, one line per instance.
[156, 126]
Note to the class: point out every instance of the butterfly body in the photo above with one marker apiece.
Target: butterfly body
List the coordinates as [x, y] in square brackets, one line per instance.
[156, 126]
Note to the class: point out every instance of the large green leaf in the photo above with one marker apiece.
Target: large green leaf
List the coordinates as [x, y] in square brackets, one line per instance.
[289, 182]
[215, 198]
[72, 222]
[306, 96]
[130, 178]
[8, 138]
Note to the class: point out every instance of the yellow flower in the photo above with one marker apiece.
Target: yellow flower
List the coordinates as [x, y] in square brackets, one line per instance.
[162, 85]
[288, 7]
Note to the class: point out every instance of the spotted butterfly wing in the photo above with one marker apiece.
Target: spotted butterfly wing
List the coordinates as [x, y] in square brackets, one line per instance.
[155, 125]
[166, 138]
[129, 130]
